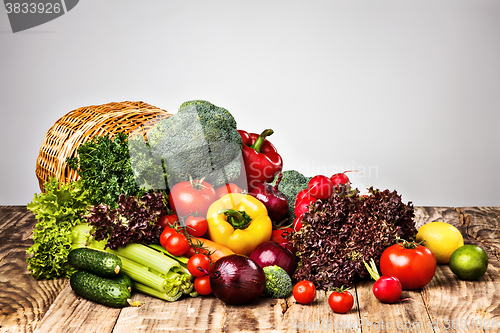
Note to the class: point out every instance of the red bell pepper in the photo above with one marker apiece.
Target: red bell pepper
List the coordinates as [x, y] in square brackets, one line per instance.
[262, 161]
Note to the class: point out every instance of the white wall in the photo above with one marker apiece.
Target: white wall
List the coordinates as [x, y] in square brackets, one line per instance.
[406, 91]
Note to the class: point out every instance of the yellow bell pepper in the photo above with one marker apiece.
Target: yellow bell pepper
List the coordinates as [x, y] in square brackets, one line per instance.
[240, 222]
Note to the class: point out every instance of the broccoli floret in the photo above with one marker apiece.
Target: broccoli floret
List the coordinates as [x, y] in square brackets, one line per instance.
[292, 182]
[278, 282]
[200, 141]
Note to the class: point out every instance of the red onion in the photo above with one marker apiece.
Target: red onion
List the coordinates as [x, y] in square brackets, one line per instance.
[271, 253]
[237, 279]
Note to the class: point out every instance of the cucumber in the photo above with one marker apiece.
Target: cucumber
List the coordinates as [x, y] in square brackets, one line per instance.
[94, 261]
[123, 279]
[100, 289]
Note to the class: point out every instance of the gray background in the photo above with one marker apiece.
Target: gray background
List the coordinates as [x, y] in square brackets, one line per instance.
[406, 92]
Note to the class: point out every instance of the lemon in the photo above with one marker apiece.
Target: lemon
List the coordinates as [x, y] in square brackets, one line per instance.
[469, 262]
[441, 238]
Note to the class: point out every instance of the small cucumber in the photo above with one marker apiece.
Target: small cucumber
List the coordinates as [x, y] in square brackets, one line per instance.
[99, 289]
[94, 261]
[123, 279]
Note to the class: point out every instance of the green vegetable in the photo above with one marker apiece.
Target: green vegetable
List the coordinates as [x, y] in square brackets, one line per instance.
[200, 141]
[99, 289]
[104, 166]
[292, 182]
[146, 266]
[94, 261]
[278, 282]
[57, 211]
[124, 280]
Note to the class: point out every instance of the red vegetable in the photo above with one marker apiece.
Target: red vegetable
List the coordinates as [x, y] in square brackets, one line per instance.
[202, 285]
[340, 178]
[197, 261]
[304, 292]
[275, 201]
[194, 196]
[341, 301]
[261, 159]
[386, 289]
[177, 244]
[413, 264]
[167, 220]
[320, 187]
[271, 253]
[196, 225]
[237, 279]
[303, 206]
[227, 188]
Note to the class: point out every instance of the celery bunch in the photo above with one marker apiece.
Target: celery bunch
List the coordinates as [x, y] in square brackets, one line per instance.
[153, 271]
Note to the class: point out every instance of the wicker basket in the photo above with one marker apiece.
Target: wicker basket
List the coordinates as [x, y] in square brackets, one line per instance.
[80, 125]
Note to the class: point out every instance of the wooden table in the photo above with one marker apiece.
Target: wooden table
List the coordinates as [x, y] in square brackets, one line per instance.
[446, 304]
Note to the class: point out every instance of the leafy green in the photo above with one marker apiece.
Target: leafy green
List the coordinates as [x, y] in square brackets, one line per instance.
[57, 211]
[104, 166]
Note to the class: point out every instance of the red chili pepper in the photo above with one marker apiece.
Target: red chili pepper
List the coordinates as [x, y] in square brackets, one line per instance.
[262, 161]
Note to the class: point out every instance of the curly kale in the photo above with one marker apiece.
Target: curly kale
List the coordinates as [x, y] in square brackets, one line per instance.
[292, 182]
[200, 141]
[339, 233]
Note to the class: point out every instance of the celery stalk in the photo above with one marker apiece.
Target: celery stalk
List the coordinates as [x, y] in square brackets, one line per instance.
[155, 293]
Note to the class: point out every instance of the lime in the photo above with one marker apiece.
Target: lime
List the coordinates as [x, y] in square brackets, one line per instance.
[469, 262]
[441, 238]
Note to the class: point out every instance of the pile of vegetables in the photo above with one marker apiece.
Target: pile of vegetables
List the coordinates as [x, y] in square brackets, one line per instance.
[200, 208]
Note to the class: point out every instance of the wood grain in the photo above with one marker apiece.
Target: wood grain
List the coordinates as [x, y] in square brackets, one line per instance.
[27, 305]
[23, 300]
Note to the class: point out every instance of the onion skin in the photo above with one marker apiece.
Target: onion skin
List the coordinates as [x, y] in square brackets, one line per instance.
[237, 279]
[271, 253]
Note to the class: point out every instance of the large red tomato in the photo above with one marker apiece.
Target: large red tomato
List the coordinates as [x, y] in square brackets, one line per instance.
[413, 264]
[189, 197]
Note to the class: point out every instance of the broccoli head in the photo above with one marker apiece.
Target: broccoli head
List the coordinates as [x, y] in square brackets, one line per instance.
[292, 182]
[278, 282]
[200, 141]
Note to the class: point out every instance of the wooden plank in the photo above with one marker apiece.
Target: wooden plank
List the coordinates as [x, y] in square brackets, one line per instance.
[424, 215]
[23, 300]
[481, 226]
[453, 304]
[72, 314]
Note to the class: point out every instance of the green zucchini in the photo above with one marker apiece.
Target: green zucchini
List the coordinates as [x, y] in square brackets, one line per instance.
[94, 261]
[100, 289]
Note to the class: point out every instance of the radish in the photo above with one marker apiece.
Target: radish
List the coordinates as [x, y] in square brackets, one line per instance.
[340, 178]
[320, 187]
[387, 289]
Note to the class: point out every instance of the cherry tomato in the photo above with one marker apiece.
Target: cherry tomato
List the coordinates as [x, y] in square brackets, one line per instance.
[167, 220]
[227, 188]
[198, 260]
[413, 264]
[304, 292]
[202, 285]
[320, 187]
[165, 234]
[341, 301]
[196, 226]
[189, 197]
[177, 244]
